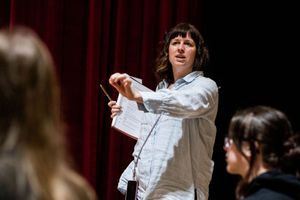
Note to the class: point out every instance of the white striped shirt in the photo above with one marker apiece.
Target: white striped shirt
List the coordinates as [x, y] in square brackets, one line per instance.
[177, 157]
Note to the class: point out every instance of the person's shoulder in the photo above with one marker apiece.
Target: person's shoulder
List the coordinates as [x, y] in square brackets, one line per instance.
[209, 80]
[206, 82]
[267, 194]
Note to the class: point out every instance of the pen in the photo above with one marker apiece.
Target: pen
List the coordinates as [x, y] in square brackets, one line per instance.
[105, 92]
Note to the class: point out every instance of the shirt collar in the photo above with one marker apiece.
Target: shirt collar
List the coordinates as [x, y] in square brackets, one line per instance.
[187, 78]
[191, 76]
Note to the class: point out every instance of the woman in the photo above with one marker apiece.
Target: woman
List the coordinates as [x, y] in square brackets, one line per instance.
[172, 157]
[262, 149]
[33, 161]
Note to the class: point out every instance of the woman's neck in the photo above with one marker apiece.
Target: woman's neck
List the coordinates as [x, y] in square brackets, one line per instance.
[178, 74]
[259, 168]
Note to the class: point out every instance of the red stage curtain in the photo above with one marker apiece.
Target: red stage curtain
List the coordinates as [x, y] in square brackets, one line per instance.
[89, 41]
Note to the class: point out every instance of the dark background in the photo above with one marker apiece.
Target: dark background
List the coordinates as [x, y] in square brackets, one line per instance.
[254, 47]
[254, 59]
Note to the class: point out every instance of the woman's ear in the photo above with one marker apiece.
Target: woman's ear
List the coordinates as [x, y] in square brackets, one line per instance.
[246, 149]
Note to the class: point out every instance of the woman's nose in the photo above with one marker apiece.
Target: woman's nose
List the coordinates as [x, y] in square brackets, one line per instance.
[181, 47]
[225, 148]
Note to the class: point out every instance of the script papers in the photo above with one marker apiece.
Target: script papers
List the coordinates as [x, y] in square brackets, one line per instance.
[129, 120]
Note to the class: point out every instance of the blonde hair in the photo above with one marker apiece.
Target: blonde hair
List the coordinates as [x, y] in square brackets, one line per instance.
[31, 128]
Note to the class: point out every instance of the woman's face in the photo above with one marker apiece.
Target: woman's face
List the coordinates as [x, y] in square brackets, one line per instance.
[236, 162]
[182, 52]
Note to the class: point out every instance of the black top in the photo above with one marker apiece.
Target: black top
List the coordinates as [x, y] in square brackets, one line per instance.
[274, 185]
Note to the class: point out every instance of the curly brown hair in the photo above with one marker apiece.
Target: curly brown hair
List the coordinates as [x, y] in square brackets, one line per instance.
[163, 65]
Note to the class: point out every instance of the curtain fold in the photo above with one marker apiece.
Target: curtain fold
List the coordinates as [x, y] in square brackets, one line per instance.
[90, 40]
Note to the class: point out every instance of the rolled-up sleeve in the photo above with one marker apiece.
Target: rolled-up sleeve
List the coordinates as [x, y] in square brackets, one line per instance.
[189, 101]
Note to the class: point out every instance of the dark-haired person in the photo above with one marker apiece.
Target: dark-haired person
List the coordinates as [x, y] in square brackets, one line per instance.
[33, 160]
[174, 161]
[262, 148]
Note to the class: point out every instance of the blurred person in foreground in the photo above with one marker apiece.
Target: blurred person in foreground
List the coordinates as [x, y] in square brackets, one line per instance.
[34, 164]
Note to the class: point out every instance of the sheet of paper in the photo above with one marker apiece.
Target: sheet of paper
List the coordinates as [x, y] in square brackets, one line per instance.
[129, 120]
